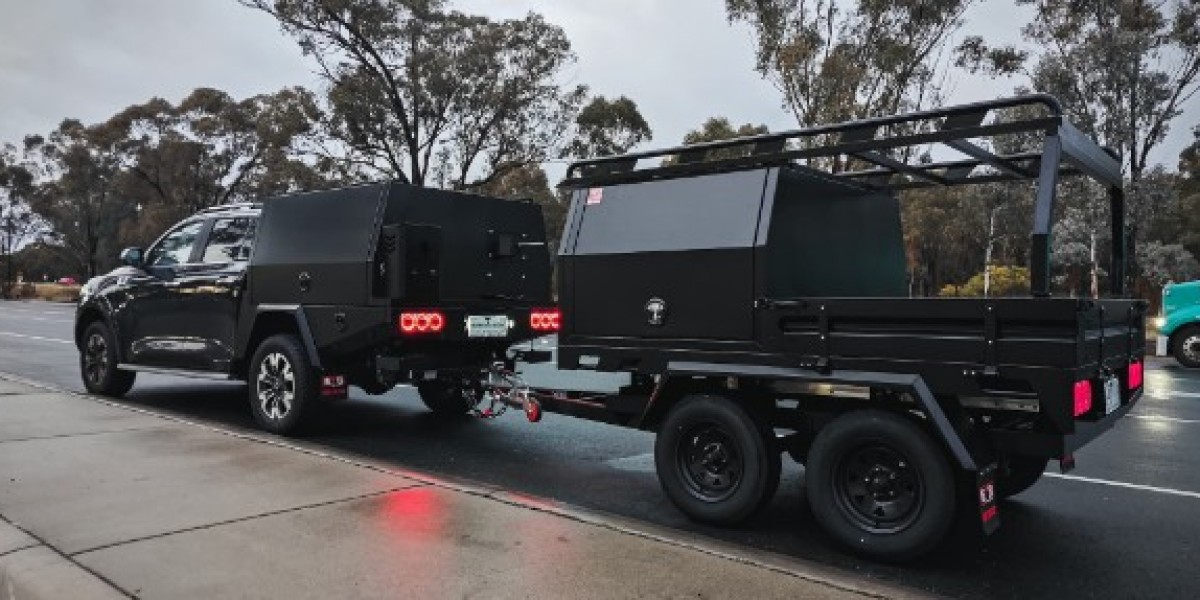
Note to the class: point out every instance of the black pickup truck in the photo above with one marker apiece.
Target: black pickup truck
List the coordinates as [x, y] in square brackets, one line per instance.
[305, 294]
[755, 290]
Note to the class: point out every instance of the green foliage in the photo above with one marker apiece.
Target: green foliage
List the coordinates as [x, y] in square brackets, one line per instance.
[1004, 281]
[717, 129]
[606, 128]
[834, 61]
[432, 95]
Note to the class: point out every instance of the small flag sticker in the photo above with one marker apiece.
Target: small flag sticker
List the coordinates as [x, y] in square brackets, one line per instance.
[595, 195]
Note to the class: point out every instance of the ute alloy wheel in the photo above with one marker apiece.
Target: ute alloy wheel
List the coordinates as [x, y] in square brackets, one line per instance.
[880, 485]
[283, 387]
[276, 386]
[98, 363]
[716, 459]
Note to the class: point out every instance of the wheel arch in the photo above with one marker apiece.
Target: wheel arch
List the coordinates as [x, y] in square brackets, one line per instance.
[275, 321]
[88, 315]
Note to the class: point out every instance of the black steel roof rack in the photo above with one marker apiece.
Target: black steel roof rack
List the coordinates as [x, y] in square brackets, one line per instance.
[875, 142]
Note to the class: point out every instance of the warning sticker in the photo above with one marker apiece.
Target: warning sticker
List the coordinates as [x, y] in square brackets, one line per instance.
[595, 195]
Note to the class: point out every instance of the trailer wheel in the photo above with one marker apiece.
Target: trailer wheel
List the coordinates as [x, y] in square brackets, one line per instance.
[283, 387]
[445, 397]
[1018, 473]
[880, 485]
[1185, 347]
[716, 461]
[98, 363]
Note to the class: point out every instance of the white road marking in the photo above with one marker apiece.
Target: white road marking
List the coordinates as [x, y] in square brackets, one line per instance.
[1158, 418]
[1132, 486]
[35, 337]
[26, 317]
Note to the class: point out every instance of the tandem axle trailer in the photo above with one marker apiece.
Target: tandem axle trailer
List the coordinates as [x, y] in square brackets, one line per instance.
[754, 290]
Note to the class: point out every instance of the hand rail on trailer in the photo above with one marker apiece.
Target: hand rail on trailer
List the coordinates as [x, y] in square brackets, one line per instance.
[876, 142]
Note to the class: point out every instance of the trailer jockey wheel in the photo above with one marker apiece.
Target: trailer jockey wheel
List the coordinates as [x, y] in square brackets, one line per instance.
[446, 397]
[716, 460]
[880, 485]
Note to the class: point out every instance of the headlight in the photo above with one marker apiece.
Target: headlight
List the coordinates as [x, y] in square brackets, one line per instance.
[1159, 322]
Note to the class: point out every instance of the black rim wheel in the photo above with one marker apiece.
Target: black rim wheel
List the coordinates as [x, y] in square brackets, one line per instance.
[878, 488]
[710, 462]
[95, 359]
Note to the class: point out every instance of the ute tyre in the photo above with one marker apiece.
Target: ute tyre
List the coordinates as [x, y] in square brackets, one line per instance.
[716, 461]
[98, 362]
[880, 485]
[444, 398]
[283, 387]
[1017, 474]
[1185, 347]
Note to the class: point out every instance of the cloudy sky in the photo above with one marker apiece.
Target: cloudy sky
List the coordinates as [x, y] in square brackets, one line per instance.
[678, 59]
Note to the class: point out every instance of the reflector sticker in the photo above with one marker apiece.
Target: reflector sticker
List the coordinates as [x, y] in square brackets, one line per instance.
[595, 195]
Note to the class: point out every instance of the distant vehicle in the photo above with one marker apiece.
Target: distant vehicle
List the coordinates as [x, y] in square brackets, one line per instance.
[67, 281]
[1179, 325]
[303, 295]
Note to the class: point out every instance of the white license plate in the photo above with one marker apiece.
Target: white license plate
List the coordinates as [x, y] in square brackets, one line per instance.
[487, 326]
[1112, 394]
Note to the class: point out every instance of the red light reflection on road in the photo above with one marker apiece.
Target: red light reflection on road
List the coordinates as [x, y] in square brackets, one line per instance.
[417, 515]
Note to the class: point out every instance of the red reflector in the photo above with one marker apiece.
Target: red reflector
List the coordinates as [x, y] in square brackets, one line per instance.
[1136, 370]
[989, 513]
[545, 319]
[417, 323]
[1083, 397]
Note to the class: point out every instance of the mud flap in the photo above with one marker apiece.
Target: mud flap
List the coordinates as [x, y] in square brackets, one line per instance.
[985, 487]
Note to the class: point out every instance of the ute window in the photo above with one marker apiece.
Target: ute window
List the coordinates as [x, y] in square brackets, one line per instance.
[230, 240]
[176, 247]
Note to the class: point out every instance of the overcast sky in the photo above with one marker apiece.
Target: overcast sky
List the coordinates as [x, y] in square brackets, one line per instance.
[678, 59]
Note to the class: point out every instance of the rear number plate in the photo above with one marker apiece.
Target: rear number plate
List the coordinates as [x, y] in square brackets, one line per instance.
[1112, 394]
[487, 326]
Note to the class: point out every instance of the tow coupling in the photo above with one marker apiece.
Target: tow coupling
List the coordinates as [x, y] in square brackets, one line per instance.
[505, 388]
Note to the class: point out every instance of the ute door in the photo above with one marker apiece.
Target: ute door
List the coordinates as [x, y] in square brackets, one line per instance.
[154, 326]
[209, 292]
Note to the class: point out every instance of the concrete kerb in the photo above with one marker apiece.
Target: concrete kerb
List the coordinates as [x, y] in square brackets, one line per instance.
[773, 562]
[29, 568]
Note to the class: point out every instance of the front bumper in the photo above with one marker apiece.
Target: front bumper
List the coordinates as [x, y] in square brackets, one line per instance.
[1160, 346]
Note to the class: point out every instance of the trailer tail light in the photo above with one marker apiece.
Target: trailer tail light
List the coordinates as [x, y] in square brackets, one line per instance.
[1083, 397]
[422, 323]
[549, 319]
[1136, 370]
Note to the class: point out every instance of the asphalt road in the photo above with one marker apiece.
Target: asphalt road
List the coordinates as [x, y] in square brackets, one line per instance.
[1124, 524]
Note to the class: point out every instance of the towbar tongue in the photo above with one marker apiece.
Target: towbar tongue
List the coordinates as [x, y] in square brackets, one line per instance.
[505, 388]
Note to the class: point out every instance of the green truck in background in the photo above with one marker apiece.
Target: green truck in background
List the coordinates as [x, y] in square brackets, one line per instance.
[1179, 325]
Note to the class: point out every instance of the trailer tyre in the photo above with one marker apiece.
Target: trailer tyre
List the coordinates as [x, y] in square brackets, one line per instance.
[98, 363]
[1019, 473]
[880, 485]
[1185, 347]
[444, 397]
[716, 461]
[283, 387]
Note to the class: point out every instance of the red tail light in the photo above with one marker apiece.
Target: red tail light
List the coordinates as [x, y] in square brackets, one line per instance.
[1136, 370]
[1083, 397]
[419, 323]
[549, 319]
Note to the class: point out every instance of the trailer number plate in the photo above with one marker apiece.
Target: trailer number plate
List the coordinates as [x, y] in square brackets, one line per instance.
[487, 326]
[1112, 394]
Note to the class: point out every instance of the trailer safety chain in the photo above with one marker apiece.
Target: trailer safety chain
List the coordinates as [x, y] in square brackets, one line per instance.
[505, 387]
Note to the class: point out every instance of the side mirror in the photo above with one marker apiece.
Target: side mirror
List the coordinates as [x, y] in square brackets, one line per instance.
[131, 257]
